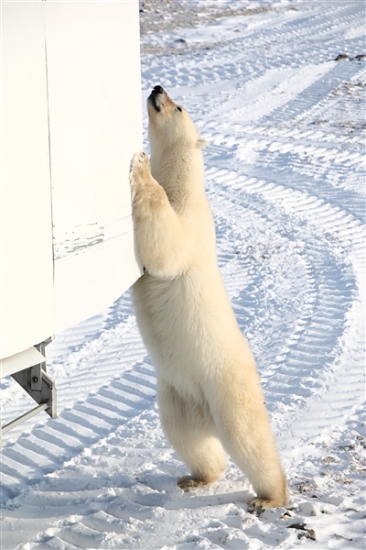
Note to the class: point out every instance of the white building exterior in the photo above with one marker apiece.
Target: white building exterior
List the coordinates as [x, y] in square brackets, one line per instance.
[71, 121]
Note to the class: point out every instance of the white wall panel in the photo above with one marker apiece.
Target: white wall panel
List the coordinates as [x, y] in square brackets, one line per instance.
[26, 226]
[93, 53]
[58, 271]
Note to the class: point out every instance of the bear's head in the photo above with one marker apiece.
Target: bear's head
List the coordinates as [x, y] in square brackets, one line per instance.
[169, 124]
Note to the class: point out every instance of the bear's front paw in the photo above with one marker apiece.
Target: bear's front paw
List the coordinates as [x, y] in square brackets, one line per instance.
[139, 169]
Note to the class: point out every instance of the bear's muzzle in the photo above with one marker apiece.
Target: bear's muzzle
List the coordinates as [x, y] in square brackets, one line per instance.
[155, 98]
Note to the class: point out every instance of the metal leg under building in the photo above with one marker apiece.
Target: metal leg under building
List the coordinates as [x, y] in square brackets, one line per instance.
[40, 386]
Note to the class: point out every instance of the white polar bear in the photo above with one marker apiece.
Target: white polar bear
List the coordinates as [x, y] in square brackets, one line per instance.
[209, 392]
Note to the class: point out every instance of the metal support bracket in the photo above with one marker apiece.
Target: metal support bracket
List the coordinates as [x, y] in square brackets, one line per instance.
[40, 386]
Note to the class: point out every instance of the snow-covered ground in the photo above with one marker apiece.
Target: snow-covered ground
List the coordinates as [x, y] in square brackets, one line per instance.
[285, 175]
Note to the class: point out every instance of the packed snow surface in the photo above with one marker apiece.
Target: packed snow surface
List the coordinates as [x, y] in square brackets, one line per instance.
[285, 176]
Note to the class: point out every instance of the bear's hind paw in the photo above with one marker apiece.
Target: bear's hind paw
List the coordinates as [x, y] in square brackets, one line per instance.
[265, 503]
[189, 482]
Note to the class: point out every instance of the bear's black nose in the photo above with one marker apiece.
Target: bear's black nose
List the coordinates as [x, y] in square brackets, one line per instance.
[158, 90]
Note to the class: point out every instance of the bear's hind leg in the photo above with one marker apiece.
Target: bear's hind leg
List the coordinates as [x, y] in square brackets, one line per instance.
[190, 430]
[245, 432]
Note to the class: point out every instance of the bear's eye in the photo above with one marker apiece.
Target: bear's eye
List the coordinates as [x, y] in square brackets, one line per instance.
[179, 109]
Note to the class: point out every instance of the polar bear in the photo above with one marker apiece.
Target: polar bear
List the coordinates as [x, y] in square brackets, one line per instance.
[209, 393]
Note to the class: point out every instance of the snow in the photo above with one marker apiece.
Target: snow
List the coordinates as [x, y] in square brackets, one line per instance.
[285, 176]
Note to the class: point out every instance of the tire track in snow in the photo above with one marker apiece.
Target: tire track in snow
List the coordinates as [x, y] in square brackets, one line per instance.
[60, 485]
[258, 50]
[312, 365]
[80, 504]
[111, 401]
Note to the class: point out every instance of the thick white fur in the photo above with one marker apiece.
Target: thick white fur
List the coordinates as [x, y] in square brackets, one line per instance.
[209, 392]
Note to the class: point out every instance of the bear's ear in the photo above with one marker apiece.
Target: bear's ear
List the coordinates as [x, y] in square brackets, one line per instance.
[201, 143]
